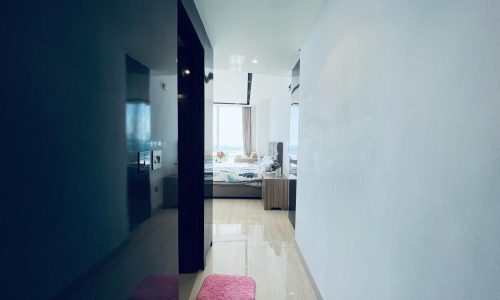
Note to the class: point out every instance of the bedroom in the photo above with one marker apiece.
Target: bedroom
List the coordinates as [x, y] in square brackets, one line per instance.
[251, 132]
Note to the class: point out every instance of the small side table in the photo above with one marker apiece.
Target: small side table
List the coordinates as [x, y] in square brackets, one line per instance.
[275, 192]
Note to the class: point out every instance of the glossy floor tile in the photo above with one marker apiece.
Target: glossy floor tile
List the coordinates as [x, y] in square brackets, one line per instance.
[249, 240]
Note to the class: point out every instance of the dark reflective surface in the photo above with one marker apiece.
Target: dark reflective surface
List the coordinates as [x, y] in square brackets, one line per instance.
[191, 148]
[65, 77]
[195, 61]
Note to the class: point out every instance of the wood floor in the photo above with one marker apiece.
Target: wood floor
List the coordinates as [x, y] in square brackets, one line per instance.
[249, 240]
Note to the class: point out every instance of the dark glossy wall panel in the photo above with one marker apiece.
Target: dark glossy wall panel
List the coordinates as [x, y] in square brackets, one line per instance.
[208, 123]
[191, 107]
[66, 83]
[208, 115]
[195, 178]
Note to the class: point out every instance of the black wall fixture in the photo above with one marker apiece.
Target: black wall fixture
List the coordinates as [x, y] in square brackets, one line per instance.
[209, 77]
[191, 105]
[249, 87]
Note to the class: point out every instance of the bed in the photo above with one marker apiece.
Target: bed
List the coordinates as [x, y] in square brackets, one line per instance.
[244, 180]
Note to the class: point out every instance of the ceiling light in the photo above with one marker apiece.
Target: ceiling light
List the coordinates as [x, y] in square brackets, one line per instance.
[255, 61]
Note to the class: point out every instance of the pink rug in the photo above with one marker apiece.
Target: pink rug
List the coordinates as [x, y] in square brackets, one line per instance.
[156, 287]
[227, 287]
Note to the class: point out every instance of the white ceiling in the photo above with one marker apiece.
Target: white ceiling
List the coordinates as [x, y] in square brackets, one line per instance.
[270, 31]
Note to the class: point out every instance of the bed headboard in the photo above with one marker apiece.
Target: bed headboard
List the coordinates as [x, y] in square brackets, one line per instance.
[275, 150]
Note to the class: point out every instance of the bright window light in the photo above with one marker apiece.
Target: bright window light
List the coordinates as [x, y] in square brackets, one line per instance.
[228, 129]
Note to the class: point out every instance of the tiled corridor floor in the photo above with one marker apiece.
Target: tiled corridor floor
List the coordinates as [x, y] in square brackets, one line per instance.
[249, 240]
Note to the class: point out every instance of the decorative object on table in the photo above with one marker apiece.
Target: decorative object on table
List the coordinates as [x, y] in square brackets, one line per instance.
[220, 156]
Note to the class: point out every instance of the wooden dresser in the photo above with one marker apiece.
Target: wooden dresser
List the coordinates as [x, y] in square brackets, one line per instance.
[275, 192]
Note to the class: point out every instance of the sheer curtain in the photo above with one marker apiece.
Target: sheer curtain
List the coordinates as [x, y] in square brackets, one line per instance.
[247, 130]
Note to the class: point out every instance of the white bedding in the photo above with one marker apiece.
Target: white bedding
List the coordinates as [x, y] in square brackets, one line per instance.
[232, 172]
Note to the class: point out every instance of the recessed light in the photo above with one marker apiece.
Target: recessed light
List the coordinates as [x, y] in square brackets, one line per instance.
[255, 61]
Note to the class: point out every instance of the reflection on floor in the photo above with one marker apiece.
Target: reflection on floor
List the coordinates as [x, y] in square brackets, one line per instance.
[152, 249]
[249, 240]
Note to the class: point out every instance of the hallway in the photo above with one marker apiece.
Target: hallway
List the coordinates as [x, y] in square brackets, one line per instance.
[249, 240]
[376, 123]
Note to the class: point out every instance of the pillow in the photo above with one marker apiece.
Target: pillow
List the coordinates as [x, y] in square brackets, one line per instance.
[265, 158]
[254, 155]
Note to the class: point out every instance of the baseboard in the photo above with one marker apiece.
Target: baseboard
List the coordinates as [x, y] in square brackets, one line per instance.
[311, 279]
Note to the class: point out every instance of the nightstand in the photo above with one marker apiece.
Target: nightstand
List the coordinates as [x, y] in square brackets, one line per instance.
[275, 192]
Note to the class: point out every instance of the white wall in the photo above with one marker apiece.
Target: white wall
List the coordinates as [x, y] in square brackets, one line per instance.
[399, 187]
[254, 127]
[272, 98]
[230, 86]
[263, 125]
[279, 130]
[209, 116]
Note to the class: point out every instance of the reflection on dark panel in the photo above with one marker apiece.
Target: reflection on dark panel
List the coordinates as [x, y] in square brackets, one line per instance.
[138, 127]
[138, 132]
[81, 118]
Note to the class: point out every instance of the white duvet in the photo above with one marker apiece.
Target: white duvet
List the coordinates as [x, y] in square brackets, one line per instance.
[231, 172]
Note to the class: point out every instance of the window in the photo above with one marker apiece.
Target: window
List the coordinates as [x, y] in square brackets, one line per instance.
[228, 129]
